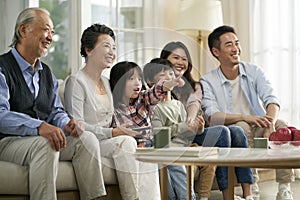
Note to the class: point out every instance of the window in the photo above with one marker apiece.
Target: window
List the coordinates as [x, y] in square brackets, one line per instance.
[70, 18]
[57, 58]
[126, 19]
[277, 50]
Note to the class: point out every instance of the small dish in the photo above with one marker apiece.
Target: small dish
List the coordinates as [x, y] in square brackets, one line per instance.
[284, 144]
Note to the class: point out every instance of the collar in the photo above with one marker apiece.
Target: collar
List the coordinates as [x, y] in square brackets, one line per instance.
[224, 79]
[23, 64]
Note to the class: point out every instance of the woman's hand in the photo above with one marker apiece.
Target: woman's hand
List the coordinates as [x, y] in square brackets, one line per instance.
[196, 125]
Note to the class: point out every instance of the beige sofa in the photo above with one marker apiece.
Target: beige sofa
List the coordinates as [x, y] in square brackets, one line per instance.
[14, 179]
[14, 182]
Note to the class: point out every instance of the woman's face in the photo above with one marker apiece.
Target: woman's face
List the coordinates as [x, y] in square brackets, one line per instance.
[179, 60]
[133, 86]
[104, 53]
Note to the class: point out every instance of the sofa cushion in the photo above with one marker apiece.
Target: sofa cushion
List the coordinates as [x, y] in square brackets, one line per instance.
[14, 178]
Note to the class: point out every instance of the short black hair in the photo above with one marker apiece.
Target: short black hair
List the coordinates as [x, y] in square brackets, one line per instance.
[155, 66]
[90, 36]
[214, 37]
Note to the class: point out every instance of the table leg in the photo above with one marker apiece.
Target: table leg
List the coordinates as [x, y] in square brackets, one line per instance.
[189, 183]
[231, 183]
[163, 182]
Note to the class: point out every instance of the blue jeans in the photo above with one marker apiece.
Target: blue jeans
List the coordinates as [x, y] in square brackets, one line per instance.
[222, 136]
[177, 183]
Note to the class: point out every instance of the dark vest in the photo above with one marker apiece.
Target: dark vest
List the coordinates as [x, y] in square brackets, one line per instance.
[21, 100]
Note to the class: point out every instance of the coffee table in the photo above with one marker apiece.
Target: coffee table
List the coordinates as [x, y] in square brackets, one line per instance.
[230, 157]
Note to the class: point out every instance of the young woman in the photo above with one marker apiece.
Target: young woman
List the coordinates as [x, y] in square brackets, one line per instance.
[88, 98]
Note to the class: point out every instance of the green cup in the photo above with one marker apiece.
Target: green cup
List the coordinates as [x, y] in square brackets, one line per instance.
[162, 137]
[261, 143]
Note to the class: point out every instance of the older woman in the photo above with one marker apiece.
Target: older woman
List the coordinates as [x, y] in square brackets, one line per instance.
[88, 99]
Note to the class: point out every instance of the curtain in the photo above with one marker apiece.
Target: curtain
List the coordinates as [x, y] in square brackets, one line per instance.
[275, 46]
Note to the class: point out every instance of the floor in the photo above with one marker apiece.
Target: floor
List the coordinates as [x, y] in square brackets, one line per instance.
[268, 191]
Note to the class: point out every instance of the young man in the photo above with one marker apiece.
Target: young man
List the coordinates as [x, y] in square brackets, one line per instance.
[35, 130]
[233, 94]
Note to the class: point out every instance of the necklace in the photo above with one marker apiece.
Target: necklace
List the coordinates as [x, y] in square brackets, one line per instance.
[100, 87]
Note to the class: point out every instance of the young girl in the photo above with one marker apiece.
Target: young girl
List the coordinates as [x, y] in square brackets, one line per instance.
[132, 104]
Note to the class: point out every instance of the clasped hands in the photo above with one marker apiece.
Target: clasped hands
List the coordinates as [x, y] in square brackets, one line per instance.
[56, 136]
[266, 122]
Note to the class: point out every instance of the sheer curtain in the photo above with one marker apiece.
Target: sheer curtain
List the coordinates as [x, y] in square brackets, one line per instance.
[275, 32]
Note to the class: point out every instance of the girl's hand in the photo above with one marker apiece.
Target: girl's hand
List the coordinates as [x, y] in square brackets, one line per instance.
[123, 130]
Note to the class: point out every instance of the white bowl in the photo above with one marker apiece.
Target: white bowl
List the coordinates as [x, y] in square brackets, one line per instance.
[284, 144]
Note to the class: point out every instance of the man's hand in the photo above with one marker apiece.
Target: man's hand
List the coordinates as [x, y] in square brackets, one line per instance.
[269, 130]
[260, 121]
[74, 128]
[54, 135]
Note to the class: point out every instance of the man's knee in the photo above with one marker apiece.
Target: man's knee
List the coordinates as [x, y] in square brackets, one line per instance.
[41, 148]
[280, 124]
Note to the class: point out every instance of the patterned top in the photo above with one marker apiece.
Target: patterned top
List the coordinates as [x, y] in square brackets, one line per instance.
[138, 112]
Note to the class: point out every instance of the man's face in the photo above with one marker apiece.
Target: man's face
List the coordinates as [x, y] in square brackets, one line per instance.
[229, 51]
[37, 36]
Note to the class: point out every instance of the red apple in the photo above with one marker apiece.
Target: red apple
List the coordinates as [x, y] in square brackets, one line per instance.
[291, 128]
[296, 135]
[281, 134]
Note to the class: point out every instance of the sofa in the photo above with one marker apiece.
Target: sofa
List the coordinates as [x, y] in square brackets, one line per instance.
[14, 182]
[14, 179]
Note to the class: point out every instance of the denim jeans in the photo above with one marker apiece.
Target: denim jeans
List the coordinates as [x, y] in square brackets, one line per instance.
[222, 136]
[177, 183]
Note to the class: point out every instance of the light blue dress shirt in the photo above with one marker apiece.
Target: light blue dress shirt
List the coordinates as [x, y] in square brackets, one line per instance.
[254, 83]
[14, 123]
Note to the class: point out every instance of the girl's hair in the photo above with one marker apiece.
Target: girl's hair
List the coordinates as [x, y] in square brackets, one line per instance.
[90, 36]
[27, 16]
[119, 74]
[155, 66]
[190, 84]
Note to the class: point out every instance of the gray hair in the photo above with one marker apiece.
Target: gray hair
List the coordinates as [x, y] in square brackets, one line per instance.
[25, 17]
